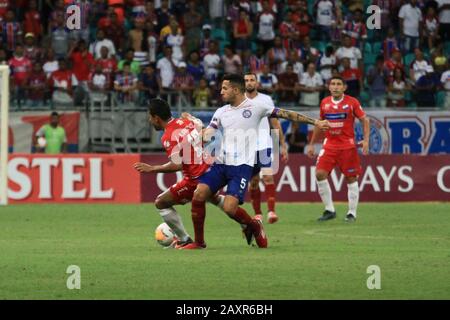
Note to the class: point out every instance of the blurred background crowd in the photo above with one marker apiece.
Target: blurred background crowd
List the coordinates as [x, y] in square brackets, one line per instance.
[134, 50]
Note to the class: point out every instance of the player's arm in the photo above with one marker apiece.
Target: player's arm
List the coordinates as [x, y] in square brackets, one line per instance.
[310, 151]
[163, 168]
[298, 117]
[366, 131]
[275, 124]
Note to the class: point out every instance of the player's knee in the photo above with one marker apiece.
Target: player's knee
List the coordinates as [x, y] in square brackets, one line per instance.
[268, 179]
[351, 179]
[321, 175]
[229, 208]
[200, 194]
[160, 203]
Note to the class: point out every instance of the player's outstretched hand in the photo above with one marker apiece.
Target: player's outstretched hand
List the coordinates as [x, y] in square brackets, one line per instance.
[365, 147]
[143, 167]
[310, 151]
[323, 125]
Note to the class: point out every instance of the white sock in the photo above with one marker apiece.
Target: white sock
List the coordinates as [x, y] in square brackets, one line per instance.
[325, 194]
[173, 220]
[353, 197]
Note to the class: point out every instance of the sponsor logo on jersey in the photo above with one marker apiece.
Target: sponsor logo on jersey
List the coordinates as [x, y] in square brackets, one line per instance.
[336, 124]
[246, 113]
[335, 116]
[345, 107]
[166, 144]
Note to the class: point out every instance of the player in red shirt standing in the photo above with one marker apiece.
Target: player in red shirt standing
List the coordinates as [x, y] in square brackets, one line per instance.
[183, 144]
[339, 146]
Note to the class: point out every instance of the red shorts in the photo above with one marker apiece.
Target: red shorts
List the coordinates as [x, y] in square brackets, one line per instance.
[347, 160]
[183, 190]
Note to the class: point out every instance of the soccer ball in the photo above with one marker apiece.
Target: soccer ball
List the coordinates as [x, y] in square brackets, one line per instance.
[164, 235]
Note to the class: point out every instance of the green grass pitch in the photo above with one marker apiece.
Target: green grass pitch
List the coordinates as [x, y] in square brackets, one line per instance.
[114, 247]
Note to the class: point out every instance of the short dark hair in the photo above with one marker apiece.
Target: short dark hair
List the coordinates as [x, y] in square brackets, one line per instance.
[54, 113]
[159, 107]
[337, 78]
[250, 74]
[236, 80]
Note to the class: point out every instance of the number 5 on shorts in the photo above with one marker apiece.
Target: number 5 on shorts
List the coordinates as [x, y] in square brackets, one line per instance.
[243, 183]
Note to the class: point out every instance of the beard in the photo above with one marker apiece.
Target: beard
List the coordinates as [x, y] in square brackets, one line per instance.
[250, 90]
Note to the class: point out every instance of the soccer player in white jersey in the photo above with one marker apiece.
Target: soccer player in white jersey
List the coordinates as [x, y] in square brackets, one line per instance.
[238, 122]
[263, 162]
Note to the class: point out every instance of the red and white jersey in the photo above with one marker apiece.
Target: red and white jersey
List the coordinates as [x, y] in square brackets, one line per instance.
[183, 143]
[341, 116]
[21, 68]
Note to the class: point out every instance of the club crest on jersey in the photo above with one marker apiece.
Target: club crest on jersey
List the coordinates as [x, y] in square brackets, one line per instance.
[166, 144]
[345, 107]
[246, 113]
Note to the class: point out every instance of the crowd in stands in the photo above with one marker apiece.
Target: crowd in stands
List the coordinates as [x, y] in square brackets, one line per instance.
[139, 49]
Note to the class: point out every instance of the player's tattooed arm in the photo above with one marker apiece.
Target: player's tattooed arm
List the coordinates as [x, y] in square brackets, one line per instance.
[163, 168]
[298, 117]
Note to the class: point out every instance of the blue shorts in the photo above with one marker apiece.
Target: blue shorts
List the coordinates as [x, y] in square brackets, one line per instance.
[263, 159]
[236, 179]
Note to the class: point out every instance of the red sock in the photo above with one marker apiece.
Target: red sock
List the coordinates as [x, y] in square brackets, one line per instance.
[198, 219]
[242, 216]
[255, 196]
[270, 196]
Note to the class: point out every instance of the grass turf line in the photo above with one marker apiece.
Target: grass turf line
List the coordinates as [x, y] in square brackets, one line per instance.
[119, 259]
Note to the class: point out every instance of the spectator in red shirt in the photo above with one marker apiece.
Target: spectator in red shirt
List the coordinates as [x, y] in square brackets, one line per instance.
[20, 70]
[32, 22]
[61, 83]
[288, 82]
[352, 78]
[289, 31]
[396, 62]
[36, 86]
[108, 66]
[4, 6]
[82, 63]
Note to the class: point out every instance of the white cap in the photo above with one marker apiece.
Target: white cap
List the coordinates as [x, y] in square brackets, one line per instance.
[429, 68]
[182, 64]
[206, 26]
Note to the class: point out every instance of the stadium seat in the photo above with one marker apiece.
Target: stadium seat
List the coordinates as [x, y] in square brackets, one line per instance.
[409, 58]
[219, 34]
[376, 47]
[365, 97]
[320, 45]
[367, 48]
[440, 99]
[447, 47]
[369, 58]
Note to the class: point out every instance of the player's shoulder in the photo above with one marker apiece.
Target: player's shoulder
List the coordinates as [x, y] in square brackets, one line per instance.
[325, 101]
[264, 97]
[349, 99]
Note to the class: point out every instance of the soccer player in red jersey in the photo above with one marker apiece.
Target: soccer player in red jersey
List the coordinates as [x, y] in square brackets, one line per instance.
[183, 144]
[339, 146]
